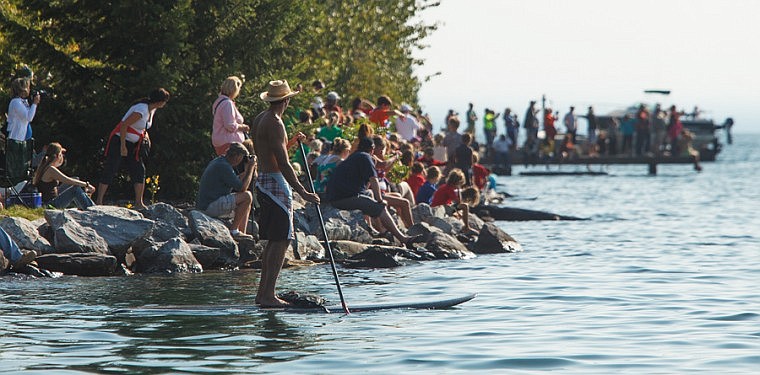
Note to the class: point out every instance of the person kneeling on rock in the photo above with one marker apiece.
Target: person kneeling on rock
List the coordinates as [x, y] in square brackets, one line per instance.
[222, 193]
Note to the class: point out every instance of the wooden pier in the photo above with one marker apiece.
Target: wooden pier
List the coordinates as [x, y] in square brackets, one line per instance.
[650, 161]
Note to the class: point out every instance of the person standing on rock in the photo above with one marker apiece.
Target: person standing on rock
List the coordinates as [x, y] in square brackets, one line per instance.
[129, 143]
[273, 186]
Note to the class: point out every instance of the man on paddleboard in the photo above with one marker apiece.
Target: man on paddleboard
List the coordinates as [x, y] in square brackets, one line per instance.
[274, 192]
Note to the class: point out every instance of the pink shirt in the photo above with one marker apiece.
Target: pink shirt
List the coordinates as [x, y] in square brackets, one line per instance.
[226, 120]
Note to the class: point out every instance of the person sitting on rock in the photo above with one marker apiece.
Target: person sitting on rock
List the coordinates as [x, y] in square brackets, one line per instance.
[448, 194]
[48, 177]
[215, 193]
[347, 190]
[18, 258]
[426, 191]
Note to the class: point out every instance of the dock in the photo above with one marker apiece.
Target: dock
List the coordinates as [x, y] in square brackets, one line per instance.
[650, 161]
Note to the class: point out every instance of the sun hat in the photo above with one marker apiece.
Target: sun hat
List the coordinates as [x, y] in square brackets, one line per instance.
[332, 95]
[406, 108]
[278, 90]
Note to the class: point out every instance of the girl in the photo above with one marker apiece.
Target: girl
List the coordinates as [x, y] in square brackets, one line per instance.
[48, 177]
[126, 141]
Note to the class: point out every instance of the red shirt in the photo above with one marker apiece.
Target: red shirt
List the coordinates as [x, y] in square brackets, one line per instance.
[415, 180]
[480, 175]
[444, 195]
[430, 161]
[379, 115]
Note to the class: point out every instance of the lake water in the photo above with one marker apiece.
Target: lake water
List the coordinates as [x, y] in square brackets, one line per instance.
[662, 279]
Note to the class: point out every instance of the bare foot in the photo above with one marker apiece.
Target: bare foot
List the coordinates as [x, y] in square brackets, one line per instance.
[139, 207]
[276, 302]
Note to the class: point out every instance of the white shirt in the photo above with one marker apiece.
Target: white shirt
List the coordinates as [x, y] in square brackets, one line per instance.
[142, 124]
[407, 127]
[20, 114]
[570, 122]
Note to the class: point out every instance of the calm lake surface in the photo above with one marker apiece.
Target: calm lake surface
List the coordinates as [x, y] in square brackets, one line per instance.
[662, 279]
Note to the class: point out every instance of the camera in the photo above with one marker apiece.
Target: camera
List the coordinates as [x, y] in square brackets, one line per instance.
[41, 93]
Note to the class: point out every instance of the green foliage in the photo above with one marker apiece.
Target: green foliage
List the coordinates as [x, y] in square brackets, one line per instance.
[19, 210]
[97, 57]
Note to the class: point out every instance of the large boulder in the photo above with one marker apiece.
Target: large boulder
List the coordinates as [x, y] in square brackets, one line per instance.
[445, 246]
[71, 237]
[205, 255]
[374, 257]
[173, 256]
[493, 240]
[81, 264]
[339, 224]
[346, 249]
[25, 233]
[212, 232]
[422, 211]
[120, 227]
[307, 247]
[166, 213]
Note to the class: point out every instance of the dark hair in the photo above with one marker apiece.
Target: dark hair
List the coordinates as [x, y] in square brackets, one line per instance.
[365, 145]
[384, 100]
[417, 167]
[158, 95]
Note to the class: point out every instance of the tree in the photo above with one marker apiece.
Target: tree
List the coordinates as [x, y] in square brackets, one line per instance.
[97, 57]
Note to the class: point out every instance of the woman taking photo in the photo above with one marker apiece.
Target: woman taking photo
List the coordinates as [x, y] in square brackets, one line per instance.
[228, 122]
[20, 115]
[48, 177]
[129, 142]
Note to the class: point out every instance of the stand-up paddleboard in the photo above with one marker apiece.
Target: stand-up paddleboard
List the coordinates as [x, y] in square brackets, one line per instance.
[243, 308]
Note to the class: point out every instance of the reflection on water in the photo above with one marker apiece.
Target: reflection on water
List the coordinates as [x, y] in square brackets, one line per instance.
[662, 279]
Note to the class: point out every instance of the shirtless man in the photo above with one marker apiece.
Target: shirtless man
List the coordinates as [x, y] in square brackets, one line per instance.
[276, 176]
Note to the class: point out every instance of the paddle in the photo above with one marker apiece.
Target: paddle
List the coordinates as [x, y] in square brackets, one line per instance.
[324, 232]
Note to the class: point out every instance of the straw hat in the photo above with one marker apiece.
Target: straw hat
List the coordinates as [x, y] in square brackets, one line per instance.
[278, 90]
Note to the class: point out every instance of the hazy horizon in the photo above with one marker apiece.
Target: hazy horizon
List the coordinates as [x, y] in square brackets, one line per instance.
[500, 54]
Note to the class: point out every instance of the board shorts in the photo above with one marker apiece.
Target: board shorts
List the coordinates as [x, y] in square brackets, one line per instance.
[276, 207]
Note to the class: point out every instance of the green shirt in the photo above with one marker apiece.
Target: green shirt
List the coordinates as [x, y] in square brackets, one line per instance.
[330, 132]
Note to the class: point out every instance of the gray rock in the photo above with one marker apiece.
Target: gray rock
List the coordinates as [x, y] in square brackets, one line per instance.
[212, 232]
[81, 264]
[250, 250]
[173, 256]
[346, 249]
[119, 227]
[374, 257]
[205, 255]
[25, 233]
[307, 247]
[165, 213]
[493, 240]
[446, 224]
[424, 229]
[71, 237]
[445, 246]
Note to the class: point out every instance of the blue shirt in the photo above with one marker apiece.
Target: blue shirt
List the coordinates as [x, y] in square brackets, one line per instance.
[219, 179]
[425, 193]
[350, 177]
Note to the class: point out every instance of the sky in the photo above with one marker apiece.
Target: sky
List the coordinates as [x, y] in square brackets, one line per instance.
[605, 53]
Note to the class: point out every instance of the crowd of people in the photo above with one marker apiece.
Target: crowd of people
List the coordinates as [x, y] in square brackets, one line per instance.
[372, 157]
[641, 133]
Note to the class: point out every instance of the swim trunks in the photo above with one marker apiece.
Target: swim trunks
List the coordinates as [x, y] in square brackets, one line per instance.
[276, 215]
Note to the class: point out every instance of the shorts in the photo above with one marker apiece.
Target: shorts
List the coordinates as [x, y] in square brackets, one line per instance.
[367, 205]
[224, 206]
[274, 223]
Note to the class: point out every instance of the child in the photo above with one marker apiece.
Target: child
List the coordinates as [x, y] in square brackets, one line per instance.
[416, 178]
[426, 191]
[448, 194]
[479, 173]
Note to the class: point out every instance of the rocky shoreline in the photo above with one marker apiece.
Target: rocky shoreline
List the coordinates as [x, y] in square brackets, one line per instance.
[113, 241]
